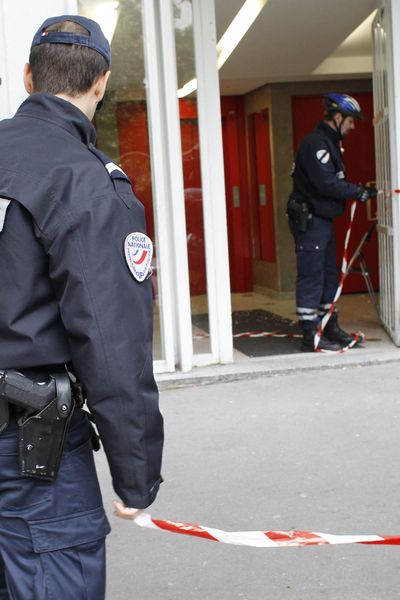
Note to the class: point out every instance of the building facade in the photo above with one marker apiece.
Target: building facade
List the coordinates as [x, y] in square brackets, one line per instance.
[186, 152]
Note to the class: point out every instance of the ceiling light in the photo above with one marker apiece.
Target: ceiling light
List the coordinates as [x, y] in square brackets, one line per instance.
[231, 38]
[238, 28]
[188, 88]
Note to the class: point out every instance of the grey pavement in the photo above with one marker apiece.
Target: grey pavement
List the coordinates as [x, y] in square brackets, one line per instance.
[313, 447]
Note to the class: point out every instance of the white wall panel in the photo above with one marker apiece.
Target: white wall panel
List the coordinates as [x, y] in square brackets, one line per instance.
[24, 17]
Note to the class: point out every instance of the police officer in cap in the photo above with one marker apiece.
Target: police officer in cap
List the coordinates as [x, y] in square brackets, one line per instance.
[319, 193]
[75, 302]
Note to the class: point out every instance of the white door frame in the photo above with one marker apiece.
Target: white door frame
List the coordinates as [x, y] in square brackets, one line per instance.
[25, 17]
[168, 185]
[213, 185]
[386, 87]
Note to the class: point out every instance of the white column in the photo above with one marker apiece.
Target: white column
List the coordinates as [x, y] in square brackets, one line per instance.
[178, 232]
[5, 103]
[22, 17]
[212, 179]
[167, 182]
[394, 119]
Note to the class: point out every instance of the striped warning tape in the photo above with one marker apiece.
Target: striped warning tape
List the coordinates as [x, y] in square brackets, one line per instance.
[382, 191]
[262, 539]
[388, 192]
[358, 336]
[254, 334]
[261, 334]
[343, 273]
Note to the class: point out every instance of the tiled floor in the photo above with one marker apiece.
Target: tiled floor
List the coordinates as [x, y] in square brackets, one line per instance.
[357, 313]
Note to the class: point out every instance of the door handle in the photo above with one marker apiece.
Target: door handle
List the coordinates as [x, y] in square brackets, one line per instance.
[262, 194]
[236, 196]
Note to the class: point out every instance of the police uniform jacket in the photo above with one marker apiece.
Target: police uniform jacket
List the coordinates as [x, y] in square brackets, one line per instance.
[67, 294]
[319, 173]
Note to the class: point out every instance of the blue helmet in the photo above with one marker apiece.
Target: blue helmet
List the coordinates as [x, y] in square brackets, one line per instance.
[344, 104]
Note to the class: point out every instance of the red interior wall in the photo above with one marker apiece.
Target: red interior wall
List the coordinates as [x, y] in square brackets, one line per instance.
[193, 196]
[135, 153]
[135, 160]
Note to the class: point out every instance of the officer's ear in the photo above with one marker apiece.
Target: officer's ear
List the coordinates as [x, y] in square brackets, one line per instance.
[338, 118]
[28, 78]
[100, 85]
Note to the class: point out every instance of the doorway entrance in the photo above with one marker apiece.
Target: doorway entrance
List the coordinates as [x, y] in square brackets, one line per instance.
[257, 302]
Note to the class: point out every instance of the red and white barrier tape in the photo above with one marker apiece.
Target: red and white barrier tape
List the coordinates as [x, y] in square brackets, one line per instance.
[254, 334]
[261, 334]
[343, 273]
[262, 539]
[388, 192]
[359, 337]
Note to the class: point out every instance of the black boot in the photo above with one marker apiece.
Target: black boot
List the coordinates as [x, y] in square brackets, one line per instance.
[323, 344]
[334, 333]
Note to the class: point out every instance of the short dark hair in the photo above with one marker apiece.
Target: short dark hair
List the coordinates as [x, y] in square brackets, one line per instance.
[330, 114]
[65, 68]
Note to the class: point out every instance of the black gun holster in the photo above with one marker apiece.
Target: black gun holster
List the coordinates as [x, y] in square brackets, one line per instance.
[299, 211]
[47, 406]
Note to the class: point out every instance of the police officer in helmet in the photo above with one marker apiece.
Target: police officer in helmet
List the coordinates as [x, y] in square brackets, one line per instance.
[75, 325]
[320, 190]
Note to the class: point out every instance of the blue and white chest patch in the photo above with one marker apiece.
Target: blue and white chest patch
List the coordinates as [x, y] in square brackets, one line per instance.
[323, 156]
[138, 249]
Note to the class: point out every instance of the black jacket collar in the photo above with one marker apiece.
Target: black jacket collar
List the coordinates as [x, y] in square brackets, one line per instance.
[331, 133]
[61, 113]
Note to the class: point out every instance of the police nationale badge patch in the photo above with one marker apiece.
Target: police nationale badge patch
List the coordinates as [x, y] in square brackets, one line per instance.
[138, 254]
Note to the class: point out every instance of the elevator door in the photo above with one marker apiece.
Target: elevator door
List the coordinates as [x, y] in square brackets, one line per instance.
[237, 196]
[134, 149]
[261, 187]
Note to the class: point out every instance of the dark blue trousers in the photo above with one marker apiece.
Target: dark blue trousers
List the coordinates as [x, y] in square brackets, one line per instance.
[317, 273]
[52, 535]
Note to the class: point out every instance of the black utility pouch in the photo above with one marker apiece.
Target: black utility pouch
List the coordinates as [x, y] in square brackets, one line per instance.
[299, 212]
[303, 217]
[42, 435]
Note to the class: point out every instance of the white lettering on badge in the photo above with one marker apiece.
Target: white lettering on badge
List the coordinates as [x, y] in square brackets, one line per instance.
[138, 249]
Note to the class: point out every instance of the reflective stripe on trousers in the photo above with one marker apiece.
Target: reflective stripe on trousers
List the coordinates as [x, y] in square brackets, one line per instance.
[317, 274]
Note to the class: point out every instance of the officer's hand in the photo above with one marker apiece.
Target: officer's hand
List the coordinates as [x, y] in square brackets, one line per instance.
[366, 193]
[123, 512]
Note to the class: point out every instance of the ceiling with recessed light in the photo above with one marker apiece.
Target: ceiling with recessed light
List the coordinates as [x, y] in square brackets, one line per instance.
[289, 40]
[298, 40]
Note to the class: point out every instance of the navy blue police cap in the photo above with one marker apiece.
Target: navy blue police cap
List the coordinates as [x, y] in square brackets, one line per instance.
[95, 40]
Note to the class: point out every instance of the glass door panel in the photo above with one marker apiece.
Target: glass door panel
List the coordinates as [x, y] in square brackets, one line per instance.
[186, 73]
[122, 124]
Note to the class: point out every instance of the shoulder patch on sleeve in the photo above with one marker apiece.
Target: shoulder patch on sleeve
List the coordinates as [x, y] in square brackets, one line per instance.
[138, 249]
[111, 167]
[323, 156]
[4, 202]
